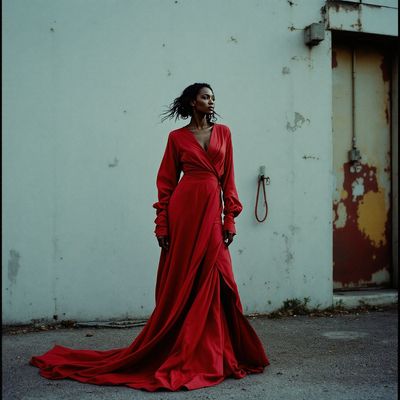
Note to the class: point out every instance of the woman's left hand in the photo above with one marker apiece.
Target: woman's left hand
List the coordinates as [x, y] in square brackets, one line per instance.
[228, 238]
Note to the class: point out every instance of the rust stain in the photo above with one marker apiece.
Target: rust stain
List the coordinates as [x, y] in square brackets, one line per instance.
[385, 67]
[387, 114]
[334, 60]
[361, 229]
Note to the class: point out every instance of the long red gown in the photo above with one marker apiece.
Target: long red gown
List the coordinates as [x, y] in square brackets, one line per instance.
[197, 334]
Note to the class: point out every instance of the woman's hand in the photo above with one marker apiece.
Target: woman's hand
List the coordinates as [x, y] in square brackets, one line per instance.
[228, 238]
[163, 242]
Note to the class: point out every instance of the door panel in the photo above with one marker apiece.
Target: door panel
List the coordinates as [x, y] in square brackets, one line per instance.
[362, 190]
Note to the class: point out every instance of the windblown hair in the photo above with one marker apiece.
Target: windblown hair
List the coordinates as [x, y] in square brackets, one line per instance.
[181, 108]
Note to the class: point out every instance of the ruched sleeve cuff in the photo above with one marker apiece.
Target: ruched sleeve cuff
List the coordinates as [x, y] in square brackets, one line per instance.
[229, 224]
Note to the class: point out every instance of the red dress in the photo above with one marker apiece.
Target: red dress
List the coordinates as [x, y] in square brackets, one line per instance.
[197, 334]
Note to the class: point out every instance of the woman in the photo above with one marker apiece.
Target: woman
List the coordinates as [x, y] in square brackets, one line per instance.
[197, 335]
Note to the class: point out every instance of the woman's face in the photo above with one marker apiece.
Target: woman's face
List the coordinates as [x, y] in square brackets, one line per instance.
[204, 102]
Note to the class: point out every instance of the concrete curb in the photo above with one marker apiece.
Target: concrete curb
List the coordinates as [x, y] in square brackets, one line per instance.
[372, 297]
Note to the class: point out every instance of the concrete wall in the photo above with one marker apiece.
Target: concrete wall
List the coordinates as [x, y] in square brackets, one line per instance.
[84, 83]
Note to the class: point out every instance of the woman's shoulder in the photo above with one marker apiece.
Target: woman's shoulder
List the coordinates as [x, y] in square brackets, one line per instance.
[224, 128]
[175, 132]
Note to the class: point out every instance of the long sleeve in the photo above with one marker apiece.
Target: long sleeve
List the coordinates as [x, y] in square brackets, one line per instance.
[167, 179]
[232, 204]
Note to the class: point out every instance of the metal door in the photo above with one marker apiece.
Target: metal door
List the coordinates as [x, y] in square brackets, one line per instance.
[362, 187]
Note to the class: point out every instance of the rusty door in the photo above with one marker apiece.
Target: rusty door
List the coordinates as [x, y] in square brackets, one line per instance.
[362, 187]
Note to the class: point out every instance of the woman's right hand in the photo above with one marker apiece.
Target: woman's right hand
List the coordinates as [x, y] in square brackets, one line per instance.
[163, 242]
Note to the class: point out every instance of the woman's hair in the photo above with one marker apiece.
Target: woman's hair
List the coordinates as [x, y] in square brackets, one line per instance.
[181, 108]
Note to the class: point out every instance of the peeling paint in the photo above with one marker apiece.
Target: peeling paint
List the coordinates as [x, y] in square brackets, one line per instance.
[372, 224]
[381, 276]
[341, 217]
[362, 232]
[357, 188]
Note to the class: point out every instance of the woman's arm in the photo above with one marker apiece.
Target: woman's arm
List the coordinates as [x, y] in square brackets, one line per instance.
[232, 204]
[167, 179]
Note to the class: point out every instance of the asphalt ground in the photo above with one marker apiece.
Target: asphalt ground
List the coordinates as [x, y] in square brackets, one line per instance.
[342, 356]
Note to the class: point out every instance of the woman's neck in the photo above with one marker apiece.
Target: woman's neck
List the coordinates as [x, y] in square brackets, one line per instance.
[199, 121]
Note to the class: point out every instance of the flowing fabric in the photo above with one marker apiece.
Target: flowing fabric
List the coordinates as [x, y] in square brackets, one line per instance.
[197, 335]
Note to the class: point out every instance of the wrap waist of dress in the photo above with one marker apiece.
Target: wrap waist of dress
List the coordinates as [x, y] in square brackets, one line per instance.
[202, 174]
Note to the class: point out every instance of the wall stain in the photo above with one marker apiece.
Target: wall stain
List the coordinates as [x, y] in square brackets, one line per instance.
[299, 120]
[285, 70]
[344, 6]
[306, 157]
[232, 39]
[13, 266]
[288, 254]
[113, 163]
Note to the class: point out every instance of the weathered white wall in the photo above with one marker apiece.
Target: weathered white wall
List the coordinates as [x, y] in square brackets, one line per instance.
[84, 83]
[372, 16]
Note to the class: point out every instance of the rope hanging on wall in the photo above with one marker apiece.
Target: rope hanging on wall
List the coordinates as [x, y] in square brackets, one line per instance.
[262, 180]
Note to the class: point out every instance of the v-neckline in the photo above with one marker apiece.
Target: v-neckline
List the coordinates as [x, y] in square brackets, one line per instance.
[194, 137]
